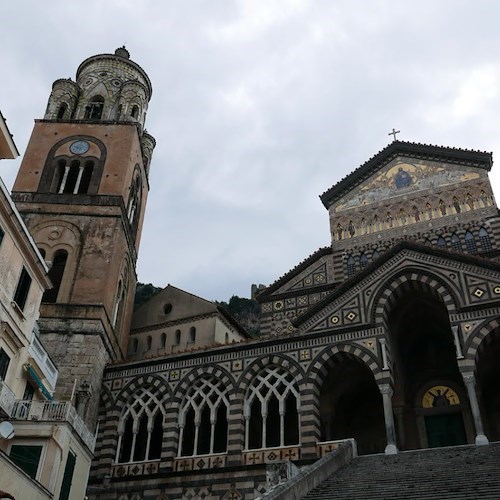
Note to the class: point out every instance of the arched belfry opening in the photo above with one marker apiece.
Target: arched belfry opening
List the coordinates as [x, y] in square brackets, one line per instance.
[487, 377]
[350, 404]
[430, 404]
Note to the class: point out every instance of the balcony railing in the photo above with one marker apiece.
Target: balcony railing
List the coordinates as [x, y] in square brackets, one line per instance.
[54, 410]
[7, 399]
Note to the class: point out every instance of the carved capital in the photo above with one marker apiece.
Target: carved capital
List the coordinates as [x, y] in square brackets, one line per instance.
[468, 377]
[386, 389]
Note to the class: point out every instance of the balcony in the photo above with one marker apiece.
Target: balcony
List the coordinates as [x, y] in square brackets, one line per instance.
[7, 400]
[38, 353]
[48, 411]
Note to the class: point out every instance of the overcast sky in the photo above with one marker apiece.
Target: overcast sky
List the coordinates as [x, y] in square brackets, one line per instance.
[258, 107]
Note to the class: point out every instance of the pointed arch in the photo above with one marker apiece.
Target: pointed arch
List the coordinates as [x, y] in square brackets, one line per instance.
[456, 244]
[485, 240]
[470, 242]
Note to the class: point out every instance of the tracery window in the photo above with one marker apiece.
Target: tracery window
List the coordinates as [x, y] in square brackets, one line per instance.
[470, 242]
[363, 260]
[140, 429]
[441, 242]
[484, 239]
[456, 244]
[351, 265]
[203, 418]
[271, 410]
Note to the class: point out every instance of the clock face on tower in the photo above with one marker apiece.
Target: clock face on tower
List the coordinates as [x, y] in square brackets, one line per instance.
[79, 147]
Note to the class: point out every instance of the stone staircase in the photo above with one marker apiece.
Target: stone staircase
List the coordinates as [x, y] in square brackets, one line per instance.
[460, 473]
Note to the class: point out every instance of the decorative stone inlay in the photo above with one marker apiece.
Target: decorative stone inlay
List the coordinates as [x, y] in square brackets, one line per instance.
[468, 327]
[305, 354]
[351, 316]
[278, 305]
[236, 365]
[302, 301]
[174, 375]
[117, 383]
[267, 307]
[478, 293]
[271, 455]
[497, 290]
[334, 319]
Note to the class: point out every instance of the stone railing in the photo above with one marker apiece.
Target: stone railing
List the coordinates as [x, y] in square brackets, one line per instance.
[7, 399]
[54, 410]
[310, 477]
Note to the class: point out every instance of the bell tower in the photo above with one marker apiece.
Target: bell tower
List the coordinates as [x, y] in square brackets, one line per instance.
[82, 189]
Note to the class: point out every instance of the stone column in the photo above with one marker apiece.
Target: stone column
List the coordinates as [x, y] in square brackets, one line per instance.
[383, 349]
[470, 384]
[387, 392]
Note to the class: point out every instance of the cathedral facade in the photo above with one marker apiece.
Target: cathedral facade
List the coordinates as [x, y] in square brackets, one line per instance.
[390, 335]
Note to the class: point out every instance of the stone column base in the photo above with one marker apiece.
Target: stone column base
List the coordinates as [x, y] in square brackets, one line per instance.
[391, 449]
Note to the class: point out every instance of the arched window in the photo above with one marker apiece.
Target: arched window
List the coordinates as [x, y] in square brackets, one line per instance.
[427, 242]
[484, 239]
[177, 337]
[456, 244]
[363, 260]
[135, 345]
[120, 296]
[140, 429]
[470, 242]
[163, 340]
[74, 178]
[192, 334]
[62, 111]
[203, 418]
[271, 410]
[94, 110]
[134, 204]
[119, 112]
[351, 265]
[135, 112]
[149, 342]
[56, 275]
[441, 242]
[375, 255]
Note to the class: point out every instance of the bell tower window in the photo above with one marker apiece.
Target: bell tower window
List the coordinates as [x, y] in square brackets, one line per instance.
[94, 110]
[56, 275]
[74, 178]
[135, 112]
[62, 111]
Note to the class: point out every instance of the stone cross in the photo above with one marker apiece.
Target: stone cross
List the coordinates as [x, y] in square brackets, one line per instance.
[394, 132]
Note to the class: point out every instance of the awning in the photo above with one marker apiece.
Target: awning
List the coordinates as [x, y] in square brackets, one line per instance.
[36, 380]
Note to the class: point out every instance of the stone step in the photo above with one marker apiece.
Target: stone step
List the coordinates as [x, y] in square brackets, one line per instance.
[462, 472]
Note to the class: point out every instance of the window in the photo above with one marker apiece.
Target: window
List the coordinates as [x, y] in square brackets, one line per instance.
[203, 419]
[271, 410]
[456, 244]
[94, 110]
[135, 345]
[27, 457]
[135, 112]
[29, 392]
[62, 111]
[74, 178]
[68, 477]
[163, 340]
[140, 430]
[149, 341]
[363, 260]
[23, 287]
[4, 364]
[56, 275]
[2, 234]
[177, 337]
[192, 334]
[484, 239]
[441, 242]
[470, 242]
[167, 309]
[351, 265]
[375, 255]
